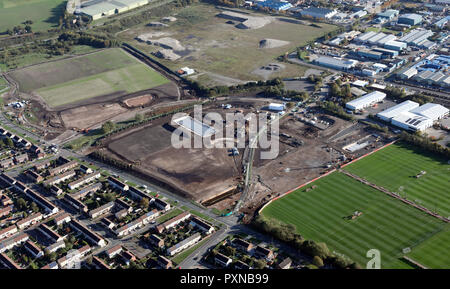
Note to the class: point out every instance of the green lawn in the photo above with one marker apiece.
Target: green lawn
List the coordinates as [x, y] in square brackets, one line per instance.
[184, 254]
[44, 13]
[434, 252]
[83, 77]
[169, 215]
[386, 224]
[395, 168]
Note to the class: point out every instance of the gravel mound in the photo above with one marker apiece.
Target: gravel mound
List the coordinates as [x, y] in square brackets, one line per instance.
[272, 43]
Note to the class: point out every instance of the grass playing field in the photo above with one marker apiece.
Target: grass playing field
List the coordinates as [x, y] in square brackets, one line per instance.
[44, 13]
[395, 168]
[74, 79]
[386, 223]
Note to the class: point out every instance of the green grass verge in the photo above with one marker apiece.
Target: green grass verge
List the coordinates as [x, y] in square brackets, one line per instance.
[169, 215]
[183, 255]
[386, 224]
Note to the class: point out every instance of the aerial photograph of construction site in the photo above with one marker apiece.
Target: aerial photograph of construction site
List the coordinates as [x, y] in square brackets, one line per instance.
[216, 134]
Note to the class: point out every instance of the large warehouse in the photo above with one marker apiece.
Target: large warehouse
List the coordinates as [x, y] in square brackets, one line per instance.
[318, 13]
[336, 63]
[394, 111]
[412, 121]
[97, 9]
[410, 116]
[366, 100]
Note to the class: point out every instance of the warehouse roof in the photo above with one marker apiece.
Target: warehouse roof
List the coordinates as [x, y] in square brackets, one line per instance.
[398, 109]
[195, 126]
[367, 99]
[431, 110]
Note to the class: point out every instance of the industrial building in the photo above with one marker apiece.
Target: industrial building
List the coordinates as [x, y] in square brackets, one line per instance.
[410, 116]
[408, 73]
[336, 63]
[366, 100]
[395, 45]
[432, 111]
[396, 110]
[190, 124]
[417, 37]
[318, 13]
[410, 19]
[412, 122]
[97, 9]
[275, 5]
[388, 14]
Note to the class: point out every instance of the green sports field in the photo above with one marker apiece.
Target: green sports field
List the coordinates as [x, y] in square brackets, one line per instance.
[74, 79]
[395, 168]
[44, 13]
[386, 224]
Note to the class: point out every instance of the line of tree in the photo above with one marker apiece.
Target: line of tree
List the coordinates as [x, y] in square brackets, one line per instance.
[400, 95]
[425, 143]
[318, 251]
[335, 109]
[97, 155]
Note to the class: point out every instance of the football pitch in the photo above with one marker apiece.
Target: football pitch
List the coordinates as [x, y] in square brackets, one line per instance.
[44, 13]
[386, 224]
[74, 79]
[396, 167]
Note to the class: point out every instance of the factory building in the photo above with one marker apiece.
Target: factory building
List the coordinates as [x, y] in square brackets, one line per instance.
[417, 37]
[410, 19]
[388, 14]
[432, 111]
[97, 9]
[336, 63]
[396, 110]
[410, 116]
[366, 100]
[408, 73]
[395, 45]
[275, 5]
[411, 121]
[318, 13]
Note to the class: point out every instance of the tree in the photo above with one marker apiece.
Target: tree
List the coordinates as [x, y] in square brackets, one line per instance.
[21, 203]
[139, 117]
[108, 126]
[144, 203]
[9, 142]
[317, 261]
[34, 207]
[260, 264]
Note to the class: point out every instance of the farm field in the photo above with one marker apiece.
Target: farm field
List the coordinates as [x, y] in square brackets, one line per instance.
[44, 13]
[386, 224]
[73, 79]
[223, 54]
[395, 168]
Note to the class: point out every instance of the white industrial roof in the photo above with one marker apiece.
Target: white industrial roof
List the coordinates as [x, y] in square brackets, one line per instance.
[398, 109]
[412, 120]
[195, 126]
[431, 110]
[276, 106]
[367, 99]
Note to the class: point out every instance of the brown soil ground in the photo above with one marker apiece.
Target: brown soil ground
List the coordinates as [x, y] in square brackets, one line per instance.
[85, 116]
[138, 101]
